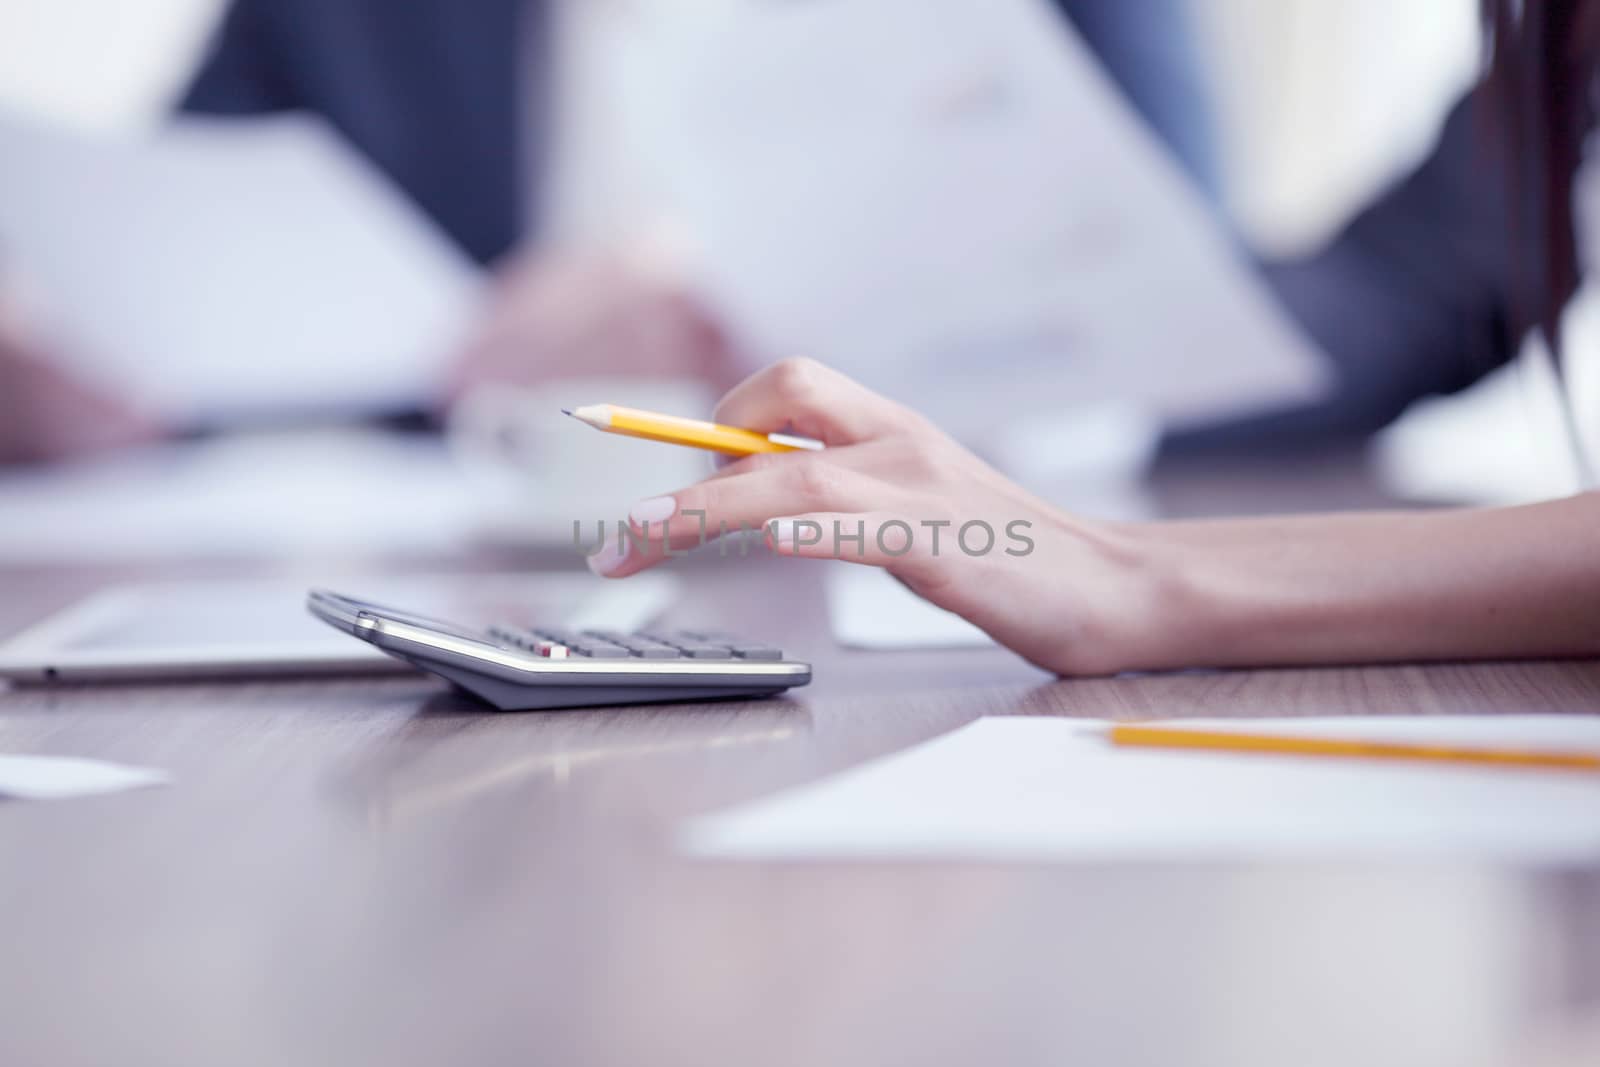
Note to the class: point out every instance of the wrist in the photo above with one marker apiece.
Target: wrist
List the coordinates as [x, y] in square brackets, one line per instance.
[1193, 599]
[1120, 600]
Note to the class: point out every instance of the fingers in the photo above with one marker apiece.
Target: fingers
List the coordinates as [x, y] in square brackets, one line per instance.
[882, 539]
[735, 504]
[809, 399]
[880, 456]
[876, 538]
[873, 538]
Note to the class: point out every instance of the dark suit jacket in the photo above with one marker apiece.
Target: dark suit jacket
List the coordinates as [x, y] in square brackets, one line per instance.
[1411, 298]
[428, 89]
[431, 90]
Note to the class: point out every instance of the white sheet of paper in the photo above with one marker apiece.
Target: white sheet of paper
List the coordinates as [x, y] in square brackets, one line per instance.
[222, 267]
[56, 777]
[1043, 789]
[948, 200]
[1504, 440]
[868, 609]
[307, 492]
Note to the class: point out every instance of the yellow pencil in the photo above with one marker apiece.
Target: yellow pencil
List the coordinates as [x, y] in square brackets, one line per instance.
[1227, 741]
[693, 433]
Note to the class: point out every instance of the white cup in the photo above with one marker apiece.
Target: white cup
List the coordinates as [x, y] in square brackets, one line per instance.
[539, 470]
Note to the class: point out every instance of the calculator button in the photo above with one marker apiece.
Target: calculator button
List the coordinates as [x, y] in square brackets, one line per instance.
[705, 651]
[601, 650]
[713, 637]
[645, 641]
[506, 635]
[640, 642]
[556, 643]
[687, 637]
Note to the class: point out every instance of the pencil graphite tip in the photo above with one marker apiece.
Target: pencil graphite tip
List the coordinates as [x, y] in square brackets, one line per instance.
[567, 411]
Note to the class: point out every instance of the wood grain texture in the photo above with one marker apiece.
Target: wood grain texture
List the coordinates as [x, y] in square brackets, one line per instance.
[382, 872]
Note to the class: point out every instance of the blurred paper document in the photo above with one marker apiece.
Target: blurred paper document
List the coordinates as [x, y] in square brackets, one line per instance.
[949, 200]
[1039, 789]
[868, 609]
[56, 777]
[232, 496]
[215, 268]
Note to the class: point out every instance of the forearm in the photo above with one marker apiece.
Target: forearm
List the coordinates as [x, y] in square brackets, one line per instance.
[1361, 588]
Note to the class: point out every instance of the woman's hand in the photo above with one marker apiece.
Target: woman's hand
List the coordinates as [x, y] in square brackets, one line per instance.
[892, 491]
[1080, 597]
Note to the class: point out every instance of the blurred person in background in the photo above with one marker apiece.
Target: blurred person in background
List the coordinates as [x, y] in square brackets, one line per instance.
[1080, 596]
[1415, 296]
[455, 103]
[461, 104]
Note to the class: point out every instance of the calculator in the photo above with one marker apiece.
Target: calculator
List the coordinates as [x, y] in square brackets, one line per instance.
[521, 668]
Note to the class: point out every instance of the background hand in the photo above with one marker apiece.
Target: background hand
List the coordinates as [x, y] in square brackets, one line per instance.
[45, 412]
[594, 316]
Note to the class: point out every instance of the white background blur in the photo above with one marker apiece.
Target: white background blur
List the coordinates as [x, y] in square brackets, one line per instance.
[1318, 104]
[1318, 101]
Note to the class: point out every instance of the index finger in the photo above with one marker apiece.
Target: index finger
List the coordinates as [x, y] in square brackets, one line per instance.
[809, 399]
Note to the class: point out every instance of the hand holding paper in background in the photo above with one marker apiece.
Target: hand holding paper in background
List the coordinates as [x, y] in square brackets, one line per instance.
[218, 270]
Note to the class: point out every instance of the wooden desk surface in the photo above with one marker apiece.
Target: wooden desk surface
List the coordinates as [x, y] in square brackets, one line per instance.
[379, 872]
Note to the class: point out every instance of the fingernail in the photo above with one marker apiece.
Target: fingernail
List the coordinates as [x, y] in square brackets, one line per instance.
[656, 509]
[782, 532]
[612, 555]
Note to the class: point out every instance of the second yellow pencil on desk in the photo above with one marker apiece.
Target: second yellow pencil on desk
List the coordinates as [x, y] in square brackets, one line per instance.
[1155, 736]
[691, 433]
